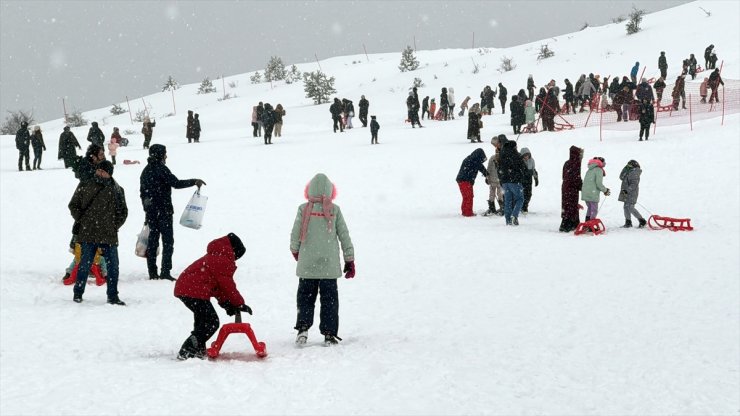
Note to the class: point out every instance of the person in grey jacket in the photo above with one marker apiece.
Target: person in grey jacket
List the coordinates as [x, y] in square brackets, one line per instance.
[630, 177]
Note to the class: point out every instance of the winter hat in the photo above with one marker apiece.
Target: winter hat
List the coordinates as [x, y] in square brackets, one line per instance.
[106, 166]
[157, 151]
[372, 117]
[633, 163]
[95, 124]
[37, 128]
[237, 245]
[411, 93]
[66, 128]
[24, 124]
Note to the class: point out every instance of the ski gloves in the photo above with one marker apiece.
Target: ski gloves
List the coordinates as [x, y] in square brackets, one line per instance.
[349, 269]
[231, 310]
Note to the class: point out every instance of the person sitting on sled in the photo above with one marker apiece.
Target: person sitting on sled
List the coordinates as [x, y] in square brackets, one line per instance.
[100, 273]
[210, 276]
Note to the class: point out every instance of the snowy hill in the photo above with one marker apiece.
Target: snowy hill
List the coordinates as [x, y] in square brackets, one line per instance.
[447, 315]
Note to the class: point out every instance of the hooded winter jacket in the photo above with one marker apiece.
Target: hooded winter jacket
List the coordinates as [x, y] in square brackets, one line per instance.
[156, 185]
[99, 205]
[318, 250]
[593, 182]
[471, 165]
[630, 188]
[212, 275]
[511, 167]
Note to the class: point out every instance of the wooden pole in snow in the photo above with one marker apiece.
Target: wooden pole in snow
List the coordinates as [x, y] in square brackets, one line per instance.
[64, 105]
[317, 62]
[129, 110]
[146, 110]
[223, 83]
[691, 123]
[473, 40]
[174, 109]
[365, 49]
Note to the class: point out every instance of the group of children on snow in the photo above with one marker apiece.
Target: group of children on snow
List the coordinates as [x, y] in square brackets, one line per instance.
[511, 173]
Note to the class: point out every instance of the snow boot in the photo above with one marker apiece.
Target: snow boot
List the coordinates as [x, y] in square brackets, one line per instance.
[642, 223]
[302, 337]
[330, 340]
[514, 221]
[65, 277]
[627, 224]
[191, 349]
[77, 298]
[491, 209]
[116, 301]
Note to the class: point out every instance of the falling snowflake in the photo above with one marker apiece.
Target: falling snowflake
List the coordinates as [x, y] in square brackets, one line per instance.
[172, 12]
[493, 23]
[336, 28]
[58, 59]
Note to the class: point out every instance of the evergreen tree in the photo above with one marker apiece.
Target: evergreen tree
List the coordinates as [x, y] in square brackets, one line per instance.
[408, 60]
[275, 69]
[256, 78]
[318, 87]
[294, 75]
[170, 84]
[635, 18]
[117, 109]
[206, 87]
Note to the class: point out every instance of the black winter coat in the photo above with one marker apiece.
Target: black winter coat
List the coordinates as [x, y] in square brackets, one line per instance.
[67, 144]
[516, 109]
[502, 93]
[335, 109]
[37, 141]
[96, 136]
[471, 165]
[364, 105]
[647, 114]
[22, 139]
[662, 63]
[156, 185]
[511, 167]
[99, 206]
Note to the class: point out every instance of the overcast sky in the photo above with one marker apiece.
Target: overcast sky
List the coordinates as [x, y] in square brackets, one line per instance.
[94, 53]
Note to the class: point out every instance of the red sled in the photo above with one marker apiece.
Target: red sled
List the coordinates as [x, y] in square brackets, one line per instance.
[657, 222]
[440, 115]
[94, 270]
[236, 328]
[594, 226]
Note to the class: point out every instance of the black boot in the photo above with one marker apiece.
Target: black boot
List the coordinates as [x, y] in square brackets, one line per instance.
[491, 209]
[642, 223]
[191, 348]
[627, 224]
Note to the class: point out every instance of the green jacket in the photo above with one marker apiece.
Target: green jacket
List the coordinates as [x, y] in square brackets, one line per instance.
[318, 255]
[593, 183]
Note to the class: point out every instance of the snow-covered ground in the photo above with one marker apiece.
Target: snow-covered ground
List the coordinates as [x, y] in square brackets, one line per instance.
[447, 315]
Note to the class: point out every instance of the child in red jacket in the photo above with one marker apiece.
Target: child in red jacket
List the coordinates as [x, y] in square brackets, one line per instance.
[210, 276]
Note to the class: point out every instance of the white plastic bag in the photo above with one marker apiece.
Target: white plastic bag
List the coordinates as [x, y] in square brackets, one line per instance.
[192, 217]
[142, 242]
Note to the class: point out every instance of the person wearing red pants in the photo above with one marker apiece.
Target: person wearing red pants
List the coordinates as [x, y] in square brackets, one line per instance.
[469, 169]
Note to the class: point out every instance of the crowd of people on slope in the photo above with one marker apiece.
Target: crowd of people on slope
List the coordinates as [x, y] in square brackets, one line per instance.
[511, 174]
[267, 121]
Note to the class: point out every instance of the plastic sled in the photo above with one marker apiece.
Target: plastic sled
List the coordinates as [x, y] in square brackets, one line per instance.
[594, 226]
[561, 126]
[657, 222]
[130, 162]
[94, 270]
[236, 328]
[527, 129]
[440, 115]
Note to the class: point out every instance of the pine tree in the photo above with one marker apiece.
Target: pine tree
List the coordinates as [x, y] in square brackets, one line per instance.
[256, 78]
[170, 84]
[117, 109]
[206, 87]
[408, 60]
[293, 75]
[318, 87]
[635, 18]
[275, 69]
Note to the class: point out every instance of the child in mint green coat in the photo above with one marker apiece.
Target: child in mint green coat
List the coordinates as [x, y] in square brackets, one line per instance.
[318, 230]
[593, 186]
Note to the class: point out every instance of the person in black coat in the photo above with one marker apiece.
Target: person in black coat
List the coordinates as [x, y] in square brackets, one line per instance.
[196, 128]
[511, 169]
[707, 54]
[268, 122]
[569, 97]
[22, 143]
[364, 106]
[95, 135]
[425, 107]
[37, 142]
[374, 127]
[444, 103]
[474, 126]
[530, 87]
[647, 117]
[502, 96]
[156, 183]
[469, 169]
[336, 115]
[67, 144]
[516, 110]
[540, 100]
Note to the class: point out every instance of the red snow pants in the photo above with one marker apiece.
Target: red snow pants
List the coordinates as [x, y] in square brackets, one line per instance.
[466, 189]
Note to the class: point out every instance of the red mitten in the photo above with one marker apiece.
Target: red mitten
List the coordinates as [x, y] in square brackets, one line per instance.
[295, 255]
[349, 269]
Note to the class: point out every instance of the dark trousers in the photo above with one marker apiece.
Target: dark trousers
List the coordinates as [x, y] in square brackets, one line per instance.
[337, 124]
[423, 111]
[110, 254]
[645, 128]
[255, 129]
[503, 105]
[363, 119]
[37, 157]
[308, 289]
[113, 159]
[268, 133]
[23, 155]
[664, 72]
[160, 224]
[147, 140]
[527, 195]
[374, 138]
[205, 318]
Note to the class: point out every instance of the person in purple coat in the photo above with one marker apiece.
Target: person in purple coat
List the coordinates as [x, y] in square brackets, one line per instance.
[572, 183]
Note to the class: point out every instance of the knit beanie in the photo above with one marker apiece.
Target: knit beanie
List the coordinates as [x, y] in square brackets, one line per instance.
[237, 245]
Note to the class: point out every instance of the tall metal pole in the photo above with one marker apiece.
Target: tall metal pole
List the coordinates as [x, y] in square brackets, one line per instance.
[129, 110]
[365, 49]
[317, 62]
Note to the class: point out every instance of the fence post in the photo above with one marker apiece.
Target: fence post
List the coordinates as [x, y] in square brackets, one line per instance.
[691, 123]
[129, 110]
[601, 118]
[223, 84]
[174, 109]
[723, 103]
[365, 49]
[655, 118]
